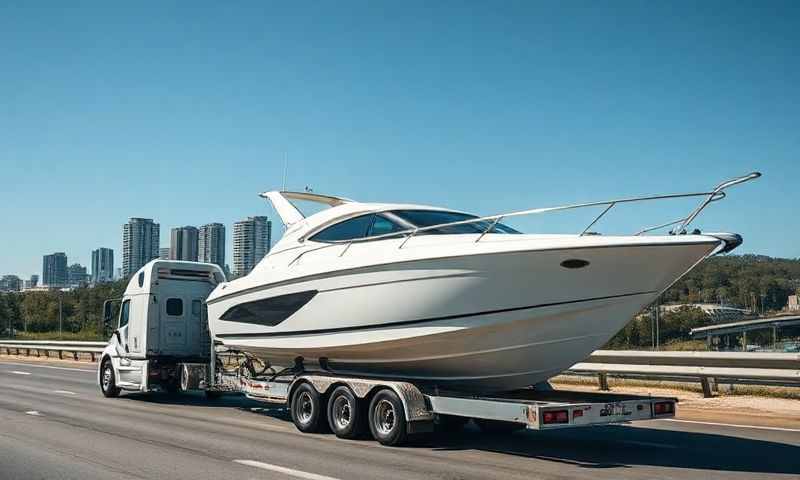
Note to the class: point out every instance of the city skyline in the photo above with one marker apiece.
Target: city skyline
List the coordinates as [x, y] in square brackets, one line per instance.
[209, 246]
[533, 105]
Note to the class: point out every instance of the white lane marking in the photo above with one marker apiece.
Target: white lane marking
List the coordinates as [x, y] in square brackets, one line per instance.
[65, 392]
[648, 444]
[287, 471]
[46, 366]
[758, 427]
[34, 413]
[17, 372]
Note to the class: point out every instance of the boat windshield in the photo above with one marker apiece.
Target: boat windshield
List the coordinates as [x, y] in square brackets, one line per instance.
[427, 218]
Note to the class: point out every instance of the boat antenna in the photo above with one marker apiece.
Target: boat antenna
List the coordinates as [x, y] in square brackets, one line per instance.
[285, 167]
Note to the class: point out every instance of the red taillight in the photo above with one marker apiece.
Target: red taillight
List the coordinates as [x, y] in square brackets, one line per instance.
[577, 413]
[663, 408]
[555, 416]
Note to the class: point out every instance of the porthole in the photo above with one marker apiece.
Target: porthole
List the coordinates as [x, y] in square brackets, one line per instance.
[573, 263]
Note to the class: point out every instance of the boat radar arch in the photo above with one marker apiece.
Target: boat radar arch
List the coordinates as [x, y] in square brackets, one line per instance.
[281, 202]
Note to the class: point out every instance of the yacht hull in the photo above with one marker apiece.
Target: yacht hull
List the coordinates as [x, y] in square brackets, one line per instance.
[495, 320]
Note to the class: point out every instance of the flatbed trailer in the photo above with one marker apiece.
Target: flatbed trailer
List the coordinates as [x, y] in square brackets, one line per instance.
[393, 409]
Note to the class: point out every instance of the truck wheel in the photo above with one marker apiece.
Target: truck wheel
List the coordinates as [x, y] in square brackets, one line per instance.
[307, 409]
[108, 383]
[498, 426]
[387, 419]
[345, 413]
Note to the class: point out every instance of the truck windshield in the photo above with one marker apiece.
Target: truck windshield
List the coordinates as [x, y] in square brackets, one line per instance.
[427, 218]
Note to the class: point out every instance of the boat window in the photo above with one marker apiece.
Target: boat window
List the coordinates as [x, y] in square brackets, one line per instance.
[382, 226]
[346, 230]
[427, 218]
[269, 311]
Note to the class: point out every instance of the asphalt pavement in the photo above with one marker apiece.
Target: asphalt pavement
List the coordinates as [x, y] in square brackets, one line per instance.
[55, 424]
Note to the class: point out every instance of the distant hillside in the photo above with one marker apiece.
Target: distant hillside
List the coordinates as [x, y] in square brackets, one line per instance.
[736, 280]
[739, 280]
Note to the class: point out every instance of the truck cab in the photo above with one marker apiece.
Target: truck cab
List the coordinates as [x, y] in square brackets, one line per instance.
[161, 323]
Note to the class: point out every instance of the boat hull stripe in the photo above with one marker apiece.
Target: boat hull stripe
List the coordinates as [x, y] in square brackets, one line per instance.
[423, 320]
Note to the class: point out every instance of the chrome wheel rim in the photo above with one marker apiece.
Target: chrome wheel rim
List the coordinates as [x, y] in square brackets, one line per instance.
[384, 417]
[305, 407]
[107, 377]
[342, 412]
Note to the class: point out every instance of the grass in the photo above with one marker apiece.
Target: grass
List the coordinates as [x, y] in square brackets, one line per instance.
[83, 336]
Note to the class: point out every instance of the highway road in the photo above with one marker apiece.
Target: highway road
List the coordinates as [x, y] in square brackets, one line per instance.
[54, 423]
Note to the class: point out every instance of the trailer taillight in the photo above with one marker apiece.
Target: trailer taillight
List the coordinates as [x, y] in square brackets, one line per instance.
[577, 413]
[555, 416]
[663, 408]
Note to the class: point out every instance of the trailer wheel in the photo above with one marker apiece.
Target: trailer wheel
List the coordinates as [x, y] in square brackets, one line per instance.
[345, 413]
[387, 419]
[498, 426]
[108, 382]
[307, 409]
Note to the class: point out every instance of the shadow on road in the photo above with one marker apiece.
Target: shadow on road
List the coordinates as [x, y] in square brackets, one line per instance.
[194, 400]
[619, 446]
[608, 447]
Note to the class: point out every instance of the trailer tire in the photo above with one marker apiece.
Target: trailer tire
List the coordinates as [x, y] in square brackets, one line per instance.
[498, 426]
[387, 418]
[307, 409]
[108, 381]
[345, 413]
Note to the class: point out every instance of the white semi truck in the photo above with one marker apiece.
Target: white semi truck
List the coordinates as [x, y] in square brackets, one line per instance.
[161, 342]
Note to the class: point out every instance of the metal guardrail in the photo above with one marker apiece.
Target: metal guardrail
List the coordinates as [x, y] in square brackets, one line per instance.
[37, 347]
[706, 367]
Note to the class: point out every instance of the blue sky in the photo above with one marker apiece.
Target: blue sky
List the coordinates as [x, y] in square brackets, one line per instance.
[183, 111]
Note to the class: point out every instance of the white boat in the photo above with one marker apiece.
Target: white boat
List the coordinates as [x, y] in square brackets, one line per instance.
[444, 298]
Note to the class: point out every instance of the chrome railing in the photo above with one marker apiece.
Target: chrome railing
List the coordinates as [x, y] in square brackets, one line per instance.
[680, 225]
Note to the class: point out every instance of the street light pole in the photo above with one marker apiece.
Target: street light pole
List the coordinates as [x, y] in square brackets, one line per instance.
[60, 309]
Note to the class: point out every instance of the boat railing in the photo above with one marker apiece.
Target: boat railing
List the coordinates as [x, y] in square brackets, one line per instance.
[679, 226]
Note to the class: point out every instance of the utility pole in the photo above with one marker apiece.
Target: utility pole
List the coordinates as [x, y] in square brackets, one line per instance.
[60, 310]
[658, 318]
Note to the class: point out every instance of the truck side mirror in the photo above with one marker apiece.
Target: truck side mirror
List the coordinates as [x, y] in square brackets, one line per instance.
[108, 314]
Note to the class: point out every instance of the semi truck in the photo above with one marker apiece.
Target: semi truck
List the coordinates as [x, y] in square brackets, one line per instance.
[161, 342]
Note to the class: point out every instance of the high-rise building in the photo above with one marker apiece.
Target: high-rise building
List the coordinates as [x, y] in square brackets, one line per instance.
[163, 253]
[54, 270]
[32, 283]
[10, 283]
[102, 265]
[251, 241]
[140, 238]
[183, 244]
[211, 244]
[76, 275]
